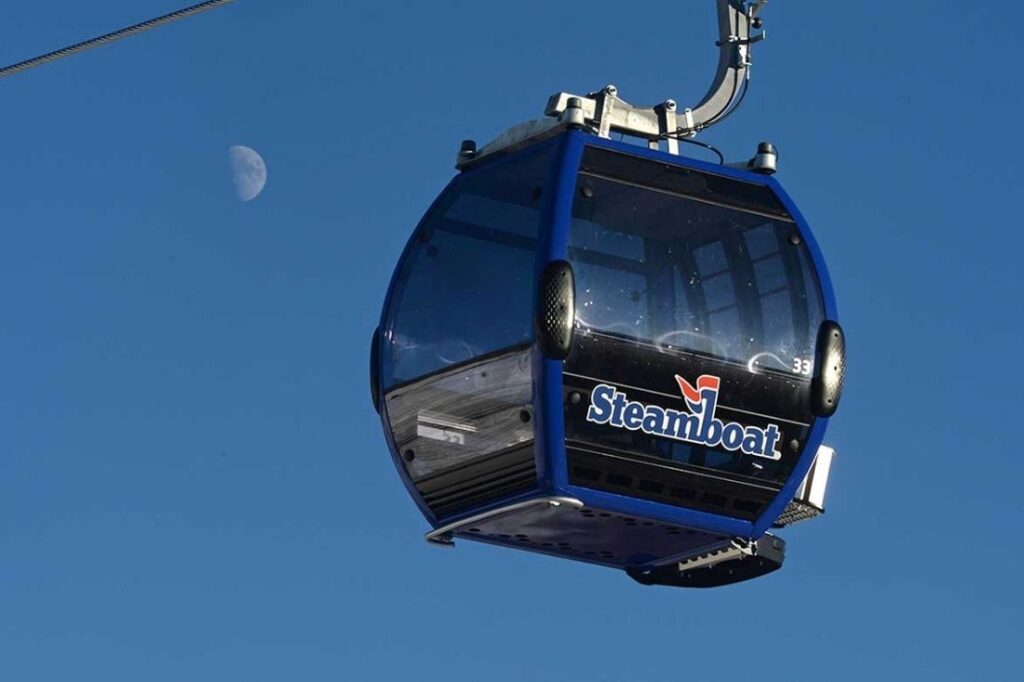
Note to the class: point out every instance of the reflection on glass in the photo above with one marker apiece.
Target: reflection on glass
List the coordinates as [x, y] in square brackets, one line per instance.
[464, 287]
[688, 275]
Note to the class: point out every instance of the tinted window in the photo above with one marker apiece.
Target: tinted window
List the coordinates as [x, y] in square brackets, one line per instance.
[464, 288]
[463, 415]
[678, 274]
[690, 275]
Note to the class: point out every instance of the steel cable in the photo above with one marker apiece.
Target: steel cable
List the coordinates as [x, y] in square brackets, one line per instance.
[110, 37]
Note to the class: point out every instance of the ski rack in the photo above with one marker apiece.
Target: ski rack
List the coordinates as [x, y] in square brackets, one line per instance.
[809, 500]
[603, 112]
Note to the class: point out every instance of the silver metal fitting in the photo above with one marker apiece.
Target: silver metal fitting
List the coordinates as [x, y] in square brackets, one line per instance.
[604, 113]
[766, 160]
[689, 123]
[573, 114]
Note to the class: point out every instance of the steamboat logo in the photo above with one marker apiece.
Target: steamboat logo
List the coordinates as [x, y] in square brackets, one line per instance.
[700, 426]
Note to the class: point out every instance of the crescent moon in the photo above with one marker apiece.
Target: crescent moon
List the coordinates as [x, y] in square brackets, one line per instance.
[248, 172]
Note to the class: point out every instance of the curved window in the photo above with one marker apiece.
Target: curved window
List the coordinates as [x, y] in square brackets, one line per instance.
[465, 286]
[681, 274]
[686, 274]
[456, 356]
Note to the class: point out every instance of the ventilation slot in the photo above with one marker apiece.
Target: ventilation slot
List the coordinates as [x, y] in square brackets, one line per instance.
[713, 499]
[683, 494]
[586, 474]
[746, 506]
[650, 487]
[619, 480]
[667, 485]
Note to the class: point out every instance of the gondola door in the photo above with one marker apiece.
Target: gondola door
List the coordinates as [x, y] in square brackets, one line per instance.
[697, 312]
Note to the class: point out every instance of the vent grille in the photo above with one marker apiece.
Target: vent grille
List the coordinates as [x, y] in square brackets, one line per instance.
[667, 485]
[556, 309]
[796, 511]
[830, 369]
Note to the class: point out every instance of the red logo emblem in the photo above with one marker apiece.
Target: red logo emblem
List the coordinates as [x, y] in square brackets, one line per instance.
[692, 393]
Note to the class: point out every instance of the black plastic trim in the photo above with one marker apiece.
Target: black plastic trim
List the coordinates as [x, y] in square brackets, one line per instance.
[829, 369]
[556, 309]
[375, 369]
[700, 185]
[672, 485]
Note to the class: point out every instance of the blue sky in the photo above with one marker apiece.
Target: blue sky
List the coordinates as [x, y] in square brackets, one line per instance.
[193, 483]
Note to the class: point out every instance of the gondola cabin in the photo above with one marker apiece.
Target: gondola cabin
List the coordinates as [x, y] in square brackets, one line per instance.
[612, 354]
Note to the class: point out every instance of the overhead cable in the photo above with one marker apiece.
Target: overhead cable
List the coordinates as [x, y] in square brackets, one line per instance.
[110, 37]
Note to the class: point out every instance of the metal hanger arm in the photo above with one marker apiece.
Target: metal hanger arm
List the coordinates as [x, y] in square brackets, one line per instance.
[605, 113]
[735, 19]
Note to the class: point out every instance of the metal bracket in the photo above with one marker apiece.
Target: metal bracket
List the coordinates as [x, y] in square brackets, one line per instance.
[809, 500]
[765, 161]
[737, 560]
[604, 112]
[445, 535]
[736, 549]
